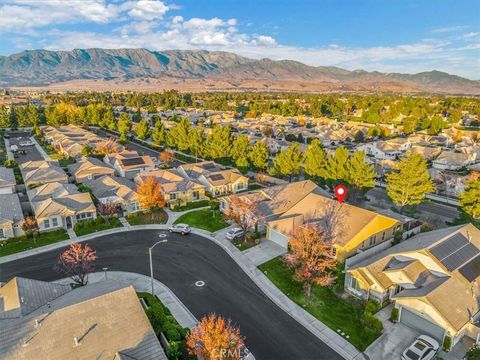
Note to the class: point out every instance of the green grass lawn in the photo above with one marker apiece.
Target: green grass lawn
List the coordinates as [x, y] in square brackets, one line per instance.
[325, 305]
[192, 205]
[242, 245]
[99, 224]
[203, 219]
[64, 162]
[15, 245]
[155, 217]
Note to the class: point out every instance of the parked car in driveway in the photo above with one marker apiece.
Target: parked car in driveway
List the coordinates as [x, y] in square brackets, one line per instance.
[423, 348]
[234, 233]
[180, 228]
[26, 143]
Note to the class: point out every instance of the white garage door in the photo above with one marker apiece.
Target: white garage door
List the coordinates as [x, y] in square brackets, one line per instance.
[278, 238]
[422, 325]
[5, 190]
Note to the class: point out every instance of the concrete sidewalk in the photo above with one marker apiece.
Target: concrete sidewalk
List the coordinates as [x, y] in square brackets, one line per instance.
[142, 283]
[315, 326]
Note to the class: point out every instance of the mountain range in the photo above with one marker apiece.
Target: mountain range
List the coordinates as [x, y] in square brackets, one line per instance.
[199, 70]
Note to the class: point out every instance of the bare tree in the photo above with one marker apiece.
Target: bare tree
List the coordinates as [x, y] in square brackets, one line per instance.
[30, 226]
[241, 212]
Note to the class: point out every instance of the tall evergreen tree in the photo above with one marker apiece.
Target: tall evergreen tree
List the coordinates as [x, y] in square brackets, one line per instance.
[259, 155]
[287, 162]
[4, 116]
[179, 135]
[159, 133]
[361, 176]
[337, 165]
[108, 120]
[219, 142]
[314, 161]
[470, 199]
[241, 150]
[124, 126]
[197, 142]
[410, 181]
[142, 129]
[33, 116]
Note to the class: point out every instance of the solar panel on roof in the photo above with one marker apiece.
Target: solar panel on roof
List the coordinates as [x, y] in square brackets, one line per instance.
[209, 166]
[455, 251]
[133, 161]
[216, 177]
[471, 270]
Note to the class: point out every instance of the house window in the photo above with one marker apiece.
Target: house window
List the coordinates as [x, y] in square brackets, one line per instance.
[173, 196]
[383, 235]
[196, 195]
[54, 222]
[334, 251]
[46, 223]
[372, 240]
[240, 186]
[355, 284]
[2, 233]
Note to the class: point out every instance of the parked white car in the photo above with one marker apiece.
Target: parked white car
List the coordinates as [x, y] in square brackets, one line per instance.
[423, 348]
[180, 228]
[234, 233]
[26, 143]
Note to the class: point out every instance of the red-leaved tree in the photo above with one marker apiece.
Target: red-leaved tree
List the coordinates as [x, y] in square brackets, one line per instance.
[310, 255]
[77, 262]
[216, 338]
[241, 211]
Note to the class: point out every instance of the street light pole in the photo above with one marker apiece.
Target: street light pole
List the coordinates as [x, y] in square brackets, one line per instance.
[151, 263]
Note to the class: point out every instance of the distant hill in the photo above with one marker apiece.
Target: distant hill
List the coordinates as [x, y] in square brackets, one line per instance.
[138, 69]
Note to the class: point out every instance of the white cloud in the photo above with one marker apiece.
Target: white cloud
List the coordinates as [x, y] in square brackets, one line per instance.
[449, 29]
[146, 9]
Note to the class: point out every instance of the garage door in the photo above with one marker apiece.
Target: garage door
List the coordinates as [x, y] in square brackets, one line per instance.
[277, 237]
[421, 324]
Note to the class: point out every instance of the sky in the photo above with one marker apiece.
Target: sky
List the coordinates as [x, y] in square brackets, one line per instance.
[375, 35]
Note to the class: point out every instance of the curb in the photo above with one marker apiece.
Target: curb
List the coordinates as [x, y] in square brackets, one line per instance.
[315, 326]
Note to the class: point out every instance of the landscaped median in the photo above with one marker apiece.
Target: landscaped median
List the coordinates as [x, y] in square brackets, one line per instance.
[156, 216]
[206, 219]
[344, 314]
[22, 243]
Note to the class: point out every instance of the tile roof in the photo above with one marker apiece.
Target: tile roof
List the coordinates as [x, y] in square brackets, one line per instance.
[10, 208]
[7, 177]
[107, 186]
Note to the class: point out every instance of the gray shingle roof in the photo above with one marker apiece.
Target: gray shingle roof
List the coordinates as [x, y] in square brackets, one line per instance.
[7, 177]
[10, 209]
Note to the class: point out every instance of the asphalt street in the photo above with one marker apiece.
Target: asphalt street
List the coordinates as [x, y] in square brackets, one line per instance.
[270, 332]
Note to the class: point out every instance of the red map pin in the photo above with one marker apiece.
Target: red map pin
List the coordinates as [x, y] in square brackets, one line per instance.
[340, 192]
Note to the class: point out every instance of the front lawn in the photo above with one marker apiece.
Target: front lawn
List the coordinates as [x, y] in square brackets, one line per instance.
[155, 217]
[242, 245]
[15, 245]
[191, 205]
[325, 305]
[64, 162]
[204, 219]
[99, 224]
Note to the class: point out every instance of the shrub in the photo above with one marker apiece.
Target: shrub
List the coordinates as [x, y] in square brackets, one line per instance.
[171, 332]
[371, 307]
[474, 353]
[173, 350]
[394, 315]
[447, 343]
[372, 322]
[9, 163]
[425, 228]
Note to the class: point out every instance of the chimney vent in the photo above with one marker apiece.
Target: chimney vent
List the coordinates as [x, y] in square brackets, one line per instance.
[75, 340]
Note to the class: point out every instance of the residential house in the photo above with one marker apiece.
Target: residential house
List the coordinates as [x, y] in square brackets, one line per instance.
[11, 216]
[41, 172]
[357, 229]
[432, 279]
[176, 188]
[118, 190]
[129, 163]
[218, 181]
[428, 152]
[103, 320]
[450, 160]
[386, 150]
[89, 168]
[62, 211]
[7, 180]
[270, 203]
[50, 191]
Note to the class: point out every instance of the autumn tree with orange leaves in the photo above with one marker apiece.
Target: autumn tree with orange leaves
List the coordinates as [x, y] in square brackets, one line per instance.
[241, 211]
[30, 227]
[311, 257]
[166, 156]
[150, 194]
[77, 262]
[108, 146]
[216, 338]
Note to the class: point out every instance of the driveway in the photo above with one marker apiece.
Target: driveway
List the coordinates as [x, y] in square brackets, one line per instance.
[391, 344]
[269, 331]
[32, 154]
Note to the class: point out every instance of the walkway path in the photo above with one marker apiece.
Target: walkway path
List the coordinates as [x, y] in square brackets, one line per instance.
[142, 283]
[265, 251]
[124, 221]
[316, 327]
[71, 233]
